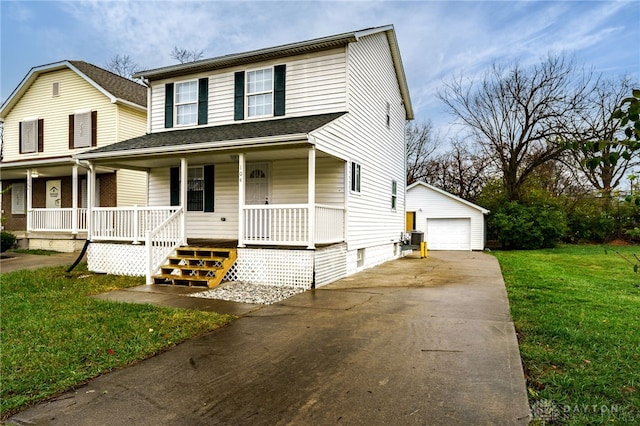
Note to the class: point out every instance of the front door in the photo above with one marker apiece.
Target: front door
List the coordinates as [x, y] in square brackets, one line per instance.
[257, 192]
[53, 196]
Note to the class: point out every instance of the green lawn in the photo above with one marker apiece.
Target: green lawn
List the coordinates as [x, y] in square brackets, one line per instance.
[577, 313]
[53, 337]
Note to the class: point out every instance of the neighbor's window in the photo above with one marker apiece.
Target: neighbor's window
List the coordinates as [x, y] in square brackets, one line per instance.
[394, 194]
[82, 130]
[187, 103]
[18, 198]
[355, 177]
[195, 189]
[28, 136]
[260, 92]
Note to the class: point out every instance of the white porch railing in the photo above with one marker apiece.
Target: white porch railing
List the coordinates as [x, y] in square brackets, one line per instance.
[128, 223]
[57, 220]
[288, 224]
[162, 240]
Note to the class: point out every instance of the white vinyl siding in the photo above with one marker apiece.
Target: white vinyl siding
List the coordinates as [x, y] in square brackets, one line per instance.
[362, 136]
[432, 205]
[315, 84]
[132, 188]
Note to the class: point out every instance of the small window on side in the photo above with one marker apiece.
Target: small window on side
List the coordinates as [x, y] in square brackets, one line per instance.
[394, 194]
[55, 89]
[388, 115]
[355, 177]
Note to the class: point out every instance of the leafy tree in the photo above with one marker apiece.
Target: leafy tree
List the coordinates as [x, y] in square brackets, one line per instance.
[600, 152]
[516, 114]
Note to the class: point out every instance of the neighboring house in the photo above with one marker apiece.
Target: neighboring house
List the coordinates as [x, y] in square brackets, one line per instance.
[293, 154]
[57, 111]
[448, 222]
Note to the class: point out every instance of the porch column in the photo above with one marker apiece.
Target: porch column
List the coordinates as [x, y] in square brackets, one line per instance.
[184, 169]
[312, 197]
[91, 196]
[74, 199]
[241, 199]
[29, 197]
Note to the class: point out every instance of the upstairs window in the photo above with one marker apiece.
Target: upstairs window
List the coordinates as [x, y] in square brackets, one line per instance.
[186, 103]
[83, 129]
[260, 93]
[31, 133]
[355, 177]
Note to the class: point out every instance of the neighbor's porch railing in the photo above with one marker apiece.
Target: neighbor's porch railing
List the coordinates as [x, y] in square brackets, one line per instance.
[57, 220]
[288, 224]
[128, 223]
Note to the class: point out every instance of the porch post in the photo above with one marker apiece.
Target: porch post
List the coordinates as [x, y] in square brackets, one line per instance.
[241, 199]
[184, 167]
[29, 197]
[91, 196]
[312, 198]
[74, 199]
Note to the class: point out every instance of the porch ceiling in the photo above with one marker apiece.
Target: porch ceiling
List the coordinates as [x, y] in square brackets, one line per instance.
[44, 169]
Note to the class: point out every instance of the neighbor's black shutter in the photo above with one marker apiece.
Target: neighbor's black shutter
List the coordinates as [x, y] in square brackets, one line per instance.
[278, 88]
[175, 186]
[238, 100]
[209, 188]
[20, 136]
[203, 100]
[41, 135]
[94, 128]
[168, 105]
[71, 137]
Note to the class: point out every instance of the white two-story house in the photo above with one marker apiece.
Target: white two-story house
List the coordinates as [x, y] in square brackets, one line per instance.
[294, 155]
[57, 111]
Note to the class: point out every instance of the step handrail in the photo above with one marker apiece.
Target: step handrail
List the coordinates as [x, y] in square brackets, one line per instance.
[162, 241]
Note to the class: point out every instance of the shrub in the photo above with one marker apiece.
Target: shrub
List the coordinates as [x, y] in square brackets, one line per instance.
[7, 240]
[529, 227]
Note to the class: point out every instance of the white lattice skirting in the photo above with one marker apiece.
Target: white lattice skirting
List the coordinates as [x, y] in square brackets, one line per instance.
[117, 259]
[275, 267]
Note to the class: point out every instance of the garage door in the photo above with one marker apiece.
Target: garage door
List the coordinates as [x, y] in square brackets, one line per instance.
[448, 234]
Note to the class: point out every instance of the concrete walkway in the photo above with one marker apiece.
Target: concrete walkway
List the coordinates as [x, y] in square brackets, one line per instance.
[413, 341]
[16, 261]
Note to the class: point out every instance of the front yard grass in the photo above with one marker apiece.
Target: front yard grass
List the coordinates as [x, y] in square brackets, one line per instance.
[577, 313]
[53, 337]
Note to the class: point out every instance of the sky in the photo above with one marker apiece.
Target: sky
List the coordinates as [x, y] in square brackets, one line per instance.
[439, 40]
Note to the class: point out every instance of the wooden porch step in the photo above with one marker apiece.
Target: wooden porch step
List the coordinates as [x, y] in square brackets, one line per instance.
[197, 266]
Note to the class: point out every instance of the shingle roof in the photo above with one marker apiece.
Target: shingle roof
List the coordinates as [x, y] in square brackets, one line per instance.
[182, 139]
[119, 87]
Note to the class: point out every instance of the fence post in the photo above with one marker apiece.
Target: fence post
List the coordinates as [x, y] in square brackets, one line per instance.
[136, 225]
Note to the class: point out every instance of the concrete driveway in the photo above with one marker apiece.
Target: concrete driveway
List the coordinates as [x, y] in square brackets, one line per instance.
[413, 341]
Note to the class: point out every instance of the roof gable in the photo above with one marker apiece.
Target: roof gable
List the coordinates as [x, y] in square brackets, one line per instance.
[447, 194]
[117, 89]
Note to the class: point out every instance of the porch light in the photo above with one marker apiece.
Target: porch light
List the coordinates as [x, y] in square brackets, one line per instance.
[34, 174]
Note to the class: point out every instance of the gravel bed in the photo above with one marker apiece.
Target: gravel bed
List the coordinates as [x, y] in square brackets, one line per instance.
[249, 293]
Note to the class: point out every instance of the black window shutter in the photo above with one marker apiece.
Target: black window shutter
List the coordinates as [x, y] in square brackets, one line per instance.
[20, 136]
[94, 128]
[238, 99]
[174, 177]
[203, 100]
[278, 89]
[41, 135]
[71, 144]
[209, 188]
[168, 105]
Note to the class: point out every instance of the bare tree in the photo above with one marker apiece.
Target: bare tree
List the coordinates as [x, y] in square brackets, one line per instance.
[460, 171]
[517, 114]
[184, 55]
[421, 142]
[599, 155]
[123, 66]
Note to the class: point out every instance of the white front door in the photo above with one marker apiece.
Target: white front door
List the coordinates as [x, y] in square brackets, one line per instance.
[258, 191]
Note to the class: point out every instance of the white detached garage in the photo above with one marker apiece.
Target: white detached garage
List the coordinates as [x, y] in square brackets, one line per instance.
[448, 222]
